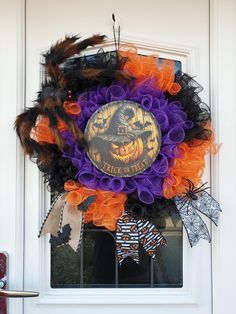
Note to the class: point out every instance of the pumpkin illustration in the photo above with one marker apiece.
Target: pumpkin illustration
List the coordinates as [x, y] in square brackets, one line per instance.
[125, 237]
[128, 152]
[121, 134]
[134, 228]
[134, 246]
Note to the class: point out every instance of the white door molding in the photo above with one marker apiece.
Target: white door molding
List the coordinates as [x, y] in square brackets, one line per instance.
[12, 96]
[223, 85]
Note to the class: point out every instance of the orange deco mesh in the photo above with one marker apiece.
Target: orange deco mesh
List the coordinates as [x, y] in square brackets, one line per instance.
[190, 164]
[71, 107]
[143, 67]
[107, 208]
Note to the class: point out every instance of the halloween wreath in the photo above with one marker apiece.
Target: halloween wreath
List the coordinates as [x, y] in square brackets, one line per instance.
[117, 135]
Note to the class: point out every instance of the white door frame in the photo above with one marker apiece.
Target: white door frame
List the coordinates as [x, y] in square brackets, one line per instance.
[223, 82]
[12, 98]
[223, 86]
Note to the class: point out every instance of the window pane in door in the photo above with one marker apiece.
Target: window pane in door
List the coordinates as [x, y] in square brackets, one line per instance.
[96, 265]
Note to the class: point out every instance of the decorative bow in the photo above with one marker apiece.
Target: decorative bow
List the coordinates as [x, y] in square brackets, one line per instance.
[65, 222]
[79, 205]
[195, 227]
[130, 232]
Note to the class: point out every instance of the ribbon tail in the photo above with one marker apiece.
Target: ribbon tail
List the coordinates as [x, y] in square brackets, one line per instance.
[75, 219]
[127, 238]
[130, 232]
[150, 237]
[121, 255]
[52, 221]
[194, 225]
[208, 206]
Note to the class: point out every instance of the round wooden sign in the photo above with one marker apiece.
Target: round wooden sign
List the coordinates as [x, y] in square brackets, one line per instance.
[123, 138]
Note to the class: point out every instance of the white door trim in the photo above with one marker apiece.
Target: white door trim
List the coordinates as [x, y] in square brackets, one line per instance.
[12, 98]
[223, 85]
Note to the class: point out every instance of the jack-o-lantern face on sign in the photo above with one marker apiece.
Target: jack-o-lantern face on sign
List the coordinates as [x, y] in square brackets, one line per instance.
[123, 139]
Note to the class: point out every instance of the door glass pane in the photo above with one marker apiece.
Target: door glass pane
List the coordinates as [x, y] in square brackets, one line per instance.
[95, 265]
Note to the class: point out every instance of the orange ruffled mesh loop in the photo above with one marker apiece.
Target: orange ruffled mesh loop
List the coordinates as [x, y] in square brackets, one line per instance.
[190, 165]
[71, 185]
[71, 107]
[107, 208]
[42, 132]
[146, 67]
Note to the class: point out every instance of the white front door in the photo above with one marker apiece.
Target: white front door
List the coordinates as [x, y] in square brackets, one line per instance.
[176, 30]
[179, 30]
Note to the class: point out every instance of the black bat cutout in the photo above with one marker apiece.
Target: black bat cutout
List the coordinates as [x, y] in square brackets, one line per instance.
[62, 238]
[85, 205]
[141, 125]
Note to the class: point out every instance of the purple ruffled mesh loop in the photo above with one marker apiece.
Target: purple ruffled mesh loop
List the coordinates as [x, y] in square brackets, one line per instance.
[174, 136]
[147, 102]
[117, 184]
[188, 124]
[145, 195]
[104, 183]
[87, 178]
[130, 185]
[78, 163]
[176, 119]
[115, 92]
[170, 151]
[157, 186]
[162, 120]
[161, 166]
[88, 111]
[175, 105]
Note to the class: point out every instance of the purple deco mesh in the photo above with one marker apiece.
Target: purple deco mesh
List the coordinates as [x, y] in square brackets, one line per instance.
[171, 119]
